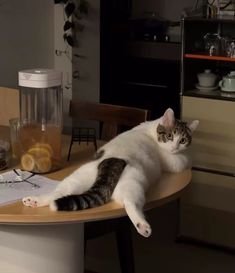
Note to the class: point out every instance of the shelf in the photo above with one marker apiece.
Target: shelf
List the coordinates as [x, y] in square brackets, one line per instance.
[147, 84]
[216, 94]
[217, 19]
[154, 50]
[207, 57]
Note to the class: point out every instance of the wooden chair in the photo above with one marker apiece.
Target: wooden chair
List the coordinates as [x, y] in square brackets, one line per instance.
[112, 119]
[9, 105]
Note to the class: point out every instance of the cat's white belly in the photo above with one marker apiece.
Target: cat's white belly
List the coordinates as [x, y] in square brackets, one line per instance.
[132, 146]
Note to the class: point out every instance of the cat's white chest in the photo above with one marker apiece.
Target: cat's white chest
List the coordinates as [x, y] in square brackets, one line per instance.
[174, 162]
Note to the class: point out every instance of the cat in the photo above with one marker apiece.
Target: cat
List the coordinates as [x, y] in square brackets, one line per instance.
[124, 168]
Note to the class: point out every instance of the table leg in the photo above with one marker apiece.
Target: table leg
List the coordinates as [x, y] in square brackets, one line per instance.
[42, 248]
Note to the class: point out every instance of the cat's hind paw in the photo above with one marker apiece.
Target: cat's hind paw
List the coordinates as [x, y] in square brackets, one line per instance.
[144, 229]
[36, 201]
[31, 201]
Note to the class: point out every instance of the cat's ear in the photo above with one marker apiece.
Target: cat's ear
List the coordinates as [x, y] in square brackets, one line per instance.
[193, 125]
[168, 119]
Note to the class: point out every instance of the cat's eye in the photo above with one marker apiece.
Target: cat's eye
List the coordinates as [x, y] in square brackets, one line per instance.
[183, 140]
[169, 135]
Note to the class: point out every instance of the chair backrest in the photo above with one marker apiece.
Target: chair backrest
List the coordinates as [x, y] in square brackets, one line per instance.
[112, 117]
[9, 105]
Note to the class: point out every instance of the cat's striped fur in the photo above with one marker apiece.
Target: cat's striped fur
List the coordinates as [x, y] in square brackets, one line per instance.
[109, 172]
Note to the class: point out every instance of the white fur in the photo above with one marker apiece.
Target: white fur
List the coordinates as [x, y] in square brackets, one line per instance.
[146, 159]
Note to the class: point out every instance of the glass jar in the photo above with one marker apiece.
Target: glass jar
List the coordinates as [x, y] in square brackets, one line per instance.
[14, 137]
[212, 44]
[40, 120]
[230, 47]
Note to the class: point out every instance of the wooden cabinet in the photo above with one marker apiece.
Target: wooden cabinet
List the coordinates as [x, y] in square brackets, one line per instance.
[140, 77]
[195, 58]
[214, 140]
[135, 72]
[208, 208]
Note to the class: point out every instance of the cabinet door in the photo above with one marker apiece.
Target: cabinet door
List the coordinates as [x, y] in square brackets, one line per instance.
[208, 207]
[214, 140]
[143, 83]
[207, 210]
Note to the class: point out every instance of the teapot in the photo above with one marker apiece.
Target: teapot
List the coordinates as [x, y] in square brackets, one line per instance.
[227, 84]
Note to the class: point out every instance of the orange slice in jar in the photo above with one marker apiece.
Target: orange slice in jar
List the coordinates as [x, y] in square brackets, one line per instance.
[27, 162]
[38, 152]
[43, 164]
[44, 146]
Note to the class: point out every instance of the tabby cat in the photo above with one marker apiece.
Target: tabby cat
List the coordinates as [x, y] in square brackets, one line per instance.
[124, 168]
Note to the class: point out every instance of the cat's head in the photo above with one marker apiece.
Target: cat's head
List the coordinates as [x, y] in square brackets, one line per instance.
[174, 135]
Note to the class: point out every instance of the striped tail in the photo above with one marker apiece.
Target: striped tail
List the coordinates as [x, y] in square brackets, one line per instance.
[109, 172]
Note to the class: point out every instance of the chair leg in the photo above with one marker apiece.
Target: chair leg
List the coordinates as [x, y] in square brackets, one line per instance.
[178, 219]
[95, 143]
[125, 246]
[70, 146]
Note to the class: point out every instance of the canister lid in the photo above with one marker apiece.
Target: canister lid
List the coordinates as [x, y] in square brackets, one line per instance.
[40, 78]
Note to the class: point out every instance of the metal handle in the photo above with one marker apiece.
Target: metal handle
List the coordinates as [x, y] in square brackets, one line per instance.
[209, 170]
[148, 85]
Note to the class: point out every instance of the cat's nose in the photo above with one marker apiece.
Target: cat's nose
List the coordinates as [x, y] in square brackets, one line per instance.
[174, 148]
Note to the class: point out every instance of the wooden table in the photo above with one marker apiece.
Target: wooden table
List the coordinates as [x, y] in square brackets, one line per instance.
[39, 240]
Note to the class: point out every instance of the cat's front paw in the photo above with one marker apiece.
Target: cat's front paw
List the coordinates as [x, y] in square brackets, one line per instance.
[180, 164]
[30, 201]
[144, 229]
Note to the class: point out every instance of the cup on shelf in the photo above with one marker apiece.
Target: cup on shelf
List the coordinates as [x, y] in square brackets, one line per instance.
[227, 84]
[207, 78]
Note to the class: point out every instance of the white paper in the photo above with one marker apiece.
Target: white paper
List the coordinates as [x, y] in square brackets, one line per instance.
[12, 192]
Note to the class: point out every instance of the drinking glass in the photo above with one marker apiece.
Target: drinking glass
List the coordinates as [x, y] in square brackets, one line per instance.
[14, 137]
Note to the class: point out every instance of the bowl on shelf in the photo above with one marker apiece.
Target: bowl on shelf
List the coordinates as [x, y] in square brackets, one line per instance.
[203, 88]
[207, 79]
